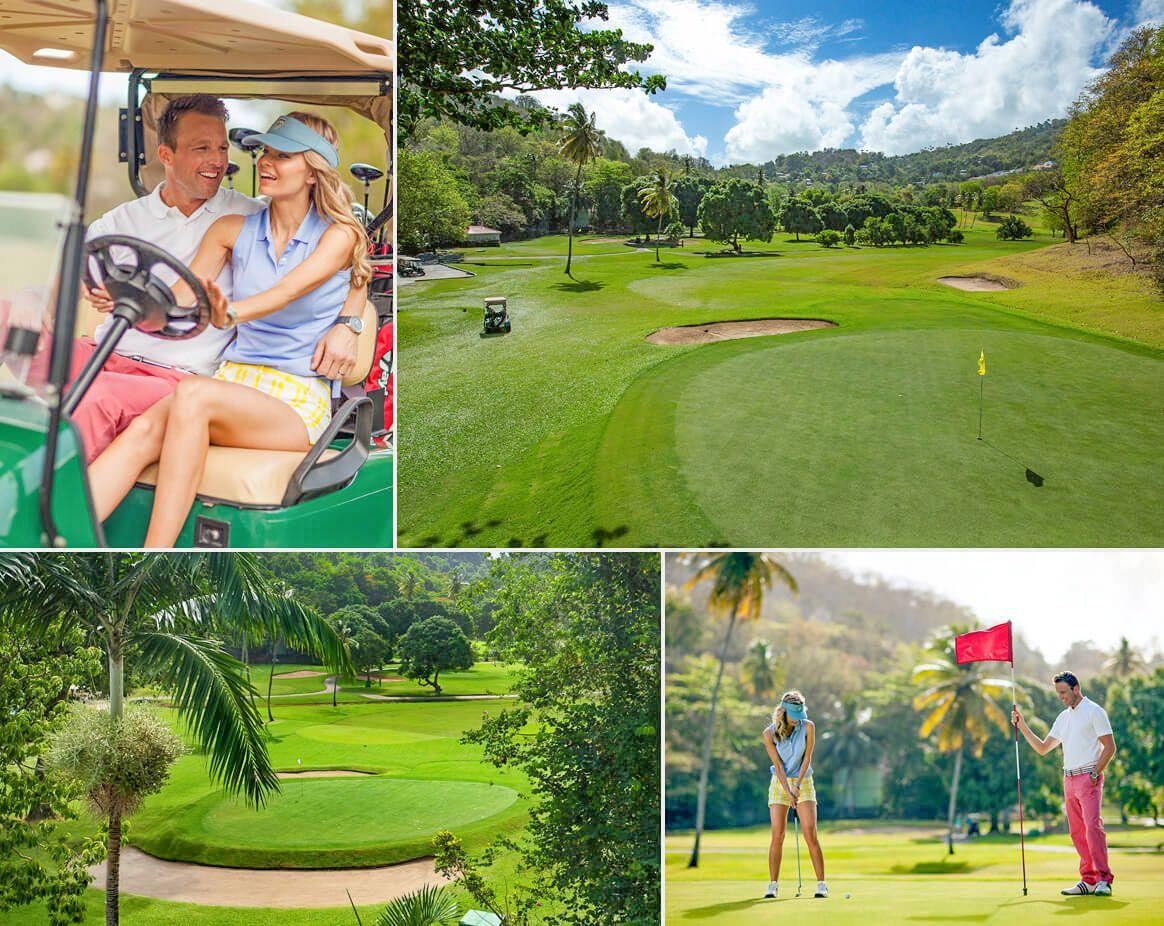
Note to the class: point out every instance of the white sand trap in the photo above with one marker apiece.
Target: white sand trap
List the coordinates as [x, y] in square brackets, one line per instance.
[975, 284]
[303, 673]
[334, 773]
[147, 876]
[728, 331]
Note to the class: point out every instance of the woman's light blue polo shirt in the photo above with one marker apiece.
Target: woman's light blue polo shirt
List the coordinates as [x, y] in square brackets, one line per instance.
[284, 339]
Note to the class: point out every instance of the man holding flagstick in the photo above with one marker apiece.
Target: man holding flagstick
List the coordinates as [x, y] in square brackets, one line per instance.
[1088, 746]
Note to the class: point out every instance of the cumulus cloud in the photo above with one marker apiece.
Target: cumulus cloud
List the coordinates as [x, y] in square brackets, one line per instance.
[631, 117]
[944, 97]
[1149, 13]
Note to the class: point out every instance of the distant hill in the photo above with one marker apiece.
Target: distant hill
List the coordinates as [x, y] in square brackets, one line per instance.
[979, 158]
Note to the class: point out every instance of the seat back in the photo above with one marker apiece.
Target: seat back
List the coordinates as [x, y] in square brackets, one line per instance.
[365, 348]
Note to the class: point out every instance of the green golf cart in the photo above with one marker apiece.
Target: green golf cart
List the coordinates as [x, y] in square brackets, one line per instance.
[337, 495]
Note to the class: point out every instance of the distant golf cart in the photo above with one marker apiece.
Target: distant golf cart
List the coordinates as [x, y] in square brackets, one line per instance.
[409, 267]
[496, 315]
[338, 494]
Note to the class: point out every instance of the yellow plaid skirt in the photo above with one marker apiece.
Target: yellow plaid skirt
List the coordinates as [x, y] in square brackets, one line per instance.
[309, 396]
[777, 794]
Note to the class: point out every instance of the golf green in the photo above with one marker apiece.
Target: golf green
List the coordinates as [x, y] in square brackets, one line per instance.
[907, 876]
[573, 430]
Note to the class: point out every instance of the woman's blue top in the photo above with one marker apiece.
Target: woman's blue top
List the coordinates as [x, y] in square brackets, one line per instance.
[285, 339]
[791, 750]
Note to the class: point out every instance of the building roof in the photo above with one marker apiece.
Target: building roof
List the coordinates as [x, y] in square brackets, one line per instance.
[482, 230]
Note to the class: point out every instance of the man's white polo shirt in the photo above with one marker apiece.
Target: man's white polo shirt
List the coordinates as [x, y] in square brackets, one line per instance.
[1079, 729]
[151, 219]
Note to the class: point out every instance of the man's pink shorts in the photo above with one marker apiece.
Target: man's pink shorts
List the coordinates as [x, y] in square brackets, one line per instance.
[122, 390]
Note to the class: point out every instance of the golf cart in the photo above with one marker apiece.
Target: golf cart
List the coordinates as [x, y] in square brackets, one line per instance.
[338, 494]
[496, 315]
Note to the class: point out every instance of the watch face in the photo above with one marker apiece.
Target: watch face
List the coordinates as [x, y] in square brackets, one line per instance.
[356, 324]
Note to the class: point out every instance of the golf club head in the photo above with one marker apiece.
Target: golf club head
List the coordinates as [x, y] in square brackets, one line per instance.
[237, 136]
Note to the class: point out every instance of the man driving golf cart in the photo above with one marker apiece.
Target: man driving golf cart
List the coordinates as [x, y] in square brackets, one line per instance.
[336, 494]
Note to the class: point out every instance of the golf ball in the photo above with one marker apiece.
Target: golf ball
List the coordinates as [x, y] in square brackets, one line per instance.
[847, 896]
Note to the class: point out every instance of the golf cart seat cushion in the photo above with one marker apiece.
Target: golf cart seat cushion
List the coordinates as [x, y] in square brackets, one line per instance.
[246, 477]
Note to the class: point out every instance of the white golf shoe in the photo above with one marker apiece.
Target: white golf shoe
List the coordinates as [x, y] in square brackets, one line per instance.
[1078, 890]
[771, 892]
[1102, 889]
[822, 889]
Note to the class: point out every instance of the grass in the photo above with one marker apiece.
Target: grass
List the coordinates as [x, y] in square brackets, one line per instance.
[573, 431]
[907, 877]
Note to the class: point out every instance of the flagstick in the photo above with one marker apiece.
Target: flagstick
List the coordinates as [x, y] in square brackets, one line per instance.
[981, 387]
[1018, 775]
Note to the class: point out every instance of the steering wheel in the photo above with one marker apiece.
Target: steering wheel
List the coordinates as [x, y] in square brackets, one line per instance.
[139, 297]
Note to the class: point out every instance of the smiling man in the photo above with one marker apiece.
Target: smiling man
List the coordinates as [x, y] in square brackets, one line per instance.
[194, 150]
[1088, 746]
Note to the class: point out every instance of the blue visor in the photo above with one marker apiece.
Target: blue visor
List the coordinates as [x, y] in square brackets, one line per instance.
[794, 711]
[292, 136]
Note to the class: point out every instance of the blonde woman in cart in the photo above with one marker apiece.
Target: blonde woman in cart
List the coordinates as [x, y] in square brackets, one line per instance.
[790, 740]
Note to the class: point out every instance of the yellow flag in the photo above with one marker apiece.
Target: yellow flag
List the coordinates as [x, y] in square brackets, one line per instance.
[982, 363]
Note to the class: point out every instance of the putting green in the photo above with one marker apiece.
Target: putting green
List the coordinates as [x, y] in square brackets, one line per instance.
[859, 435]
[835, 431]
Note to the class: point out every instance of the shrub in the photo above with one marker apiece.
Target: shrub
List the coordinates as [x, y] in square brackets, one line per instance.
[829, 238]
[850, 235]
[1012, 228]
[955, 237]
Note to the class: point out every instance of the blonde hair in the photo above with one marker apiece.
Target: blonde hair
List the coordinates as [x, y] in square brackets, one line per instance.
[331, 196]
[782, 726]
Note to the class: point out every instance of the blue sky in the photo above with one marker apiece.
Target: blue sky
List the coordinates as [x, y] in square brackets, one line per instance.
[749, 79]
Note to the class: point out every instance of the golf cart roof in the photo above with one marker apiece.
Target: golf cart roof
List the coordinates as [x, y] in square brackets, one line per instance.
[230, 38]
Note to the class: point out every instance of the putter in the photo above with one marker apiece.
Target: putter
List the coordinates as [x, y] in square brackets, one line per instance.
[796, 830]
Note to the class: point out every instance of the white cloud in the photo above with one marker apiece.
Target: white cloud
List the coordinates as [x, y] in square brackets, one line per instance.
[945, 97]
[1149, 13]
[631, 117]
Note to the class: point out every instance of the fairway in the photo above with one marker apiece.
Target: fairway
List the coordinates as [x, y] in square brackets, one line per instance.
[907, 877]
[573, 430]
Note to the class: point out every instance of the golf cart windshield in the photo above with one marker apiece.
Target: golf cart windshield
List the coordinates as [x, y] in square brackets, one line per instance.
[32, 230]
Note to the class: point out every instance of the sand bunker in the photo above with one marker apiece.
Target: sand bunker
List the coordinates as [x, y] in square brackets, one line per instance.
[303, 673]
[976, 284]
[727, 331]
[334, 773]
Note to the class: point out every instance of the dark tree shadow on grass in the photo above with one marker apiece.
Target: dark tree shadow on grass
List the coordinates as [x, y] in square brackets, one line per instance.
[580, 286]
[669, 265]
[603, 536]
[705, 913]
[499, 263]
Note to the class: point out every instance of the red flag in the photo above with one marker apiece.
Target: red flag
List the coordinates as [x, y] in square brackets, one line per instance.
[991, 645]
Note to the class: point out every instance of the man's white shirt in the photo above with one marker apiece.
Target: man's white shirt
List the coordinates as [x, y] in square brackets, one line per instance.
[1079, 729]
[151, 219]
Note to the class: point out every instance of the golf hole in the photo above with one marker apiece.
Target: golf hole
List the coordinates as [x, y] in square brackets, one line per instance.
[708, 333]
[978, 284]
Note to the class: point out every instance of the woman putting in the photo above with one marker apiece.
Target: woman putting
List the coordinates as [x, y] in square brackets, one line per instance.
[790, 740]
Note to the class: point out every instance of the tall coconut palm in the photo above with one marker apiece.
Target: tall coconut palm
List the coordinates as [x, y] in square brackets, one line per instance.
[659, 200]
[846, 744]
[757, 671]
[166, 612]
[1125, 661]
[738, 582]
[959, 704]
[581, 142]
[410, 585]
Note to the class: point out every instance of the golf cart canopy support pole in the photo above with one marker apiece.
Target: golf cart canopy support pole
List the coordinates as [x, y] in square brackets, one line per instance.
[64, 320]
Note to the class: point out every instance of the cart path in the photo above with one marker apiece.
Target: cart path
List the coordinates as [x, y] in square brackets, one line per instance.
[147, 876]
[328, 688]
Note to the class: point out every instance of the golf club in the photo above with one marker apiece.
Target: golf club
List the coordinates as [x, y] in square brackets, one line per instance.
[231, 170]
[796, 830]
[369, 175]
[236, 138]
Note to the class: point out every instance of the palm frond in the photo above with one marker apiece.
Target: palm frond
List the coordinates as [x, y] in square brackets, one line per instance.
[214, 699]
[429, 906]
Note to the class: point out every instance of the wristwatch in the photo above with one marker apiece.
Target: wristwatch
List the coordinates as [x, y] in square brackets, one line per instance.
[354, 323]
[231, 316]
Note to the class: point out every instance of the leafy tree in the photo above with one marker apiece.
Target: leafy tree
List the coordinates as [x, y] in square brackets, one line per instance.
[959, 702]
[1136, 708]
[738, 582]
[956, 236]
[498, 210]
[455, 58]
[1010, 197]
[603, 188]
[659, 202]
[833, 216]
[433, 209]
[1125, 661]
[632, 207]
[163, 611]
[734, 209]
[586, 629]
[689, 191]
[989, 200]
[431, 646]
[39, 860]
[850, 235]
[797, 215]
[1050, 188]
[845, 744]
[829, 238]
[581, 143]
[1012, 228]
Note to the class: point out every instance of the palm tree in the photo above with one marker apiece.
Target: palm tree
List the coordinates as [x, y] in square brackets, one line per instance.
[411, 583]
[166, 612]
[757, 671]
[958, 702]
[1125, 661]
[846, 743]
[738, 581]
[429, 906]
[456, 583]
[347, 634]
[659, 200]
[580, 143]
